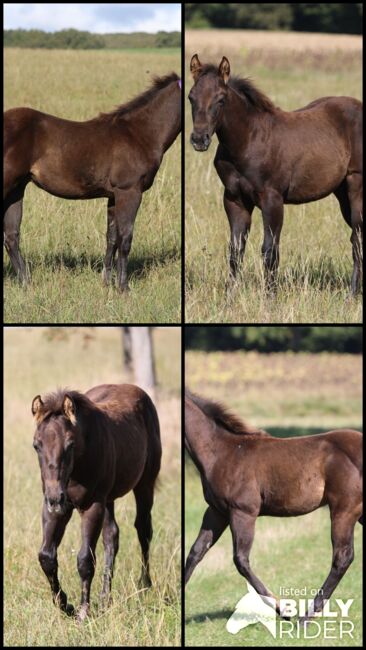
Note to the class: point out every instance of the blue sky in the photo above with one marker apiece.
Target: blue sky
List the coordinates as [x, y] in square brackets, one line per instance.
[101, 18]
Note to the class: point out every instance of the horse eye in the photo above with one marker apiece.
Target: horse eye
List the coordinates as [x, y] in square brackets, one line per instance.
[190, 98]
[36, 446]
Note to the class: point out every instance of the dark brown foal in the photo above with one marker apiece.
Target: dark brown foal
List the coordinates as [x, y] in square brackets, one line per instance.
[93, 448]
[115, 155]
[247, 473]
[268, 157]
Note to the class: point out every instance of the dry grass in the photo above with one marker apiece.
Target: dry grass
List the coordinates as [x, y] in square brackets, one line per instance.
[282, 389]
[215, 41]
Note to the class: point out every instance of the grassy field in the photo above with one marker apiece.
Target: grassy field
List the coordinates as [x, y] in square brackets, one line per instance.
[38, 360]
[64, 241]
[316, 257]
[286, 394]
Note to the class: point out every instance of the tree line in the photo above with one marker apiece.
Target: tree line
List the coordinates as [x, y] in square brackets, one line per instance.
[275, 339]
[329, 17]
[73, 39]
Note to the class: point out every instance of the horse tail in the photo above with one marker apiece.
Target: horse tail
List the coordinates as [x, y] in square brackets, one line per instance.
[154, 451]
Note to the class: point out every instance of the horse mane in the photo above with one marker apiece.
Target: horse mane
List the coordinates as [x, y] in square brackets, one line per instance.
[244, 87]
[222, 416]
[141, 100]
[254, 97]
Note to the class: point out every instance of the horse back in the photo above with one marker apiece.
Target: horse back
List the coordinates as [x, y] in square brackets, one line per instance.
[131, 422]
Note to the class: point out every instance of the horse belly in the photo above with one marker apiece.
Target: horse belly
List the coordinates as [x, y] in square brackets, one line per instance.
[299, 496]
[315, 176]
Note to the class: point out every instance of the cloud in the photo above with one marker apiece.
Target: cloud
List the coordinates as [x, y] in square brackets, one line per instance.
[100, 18]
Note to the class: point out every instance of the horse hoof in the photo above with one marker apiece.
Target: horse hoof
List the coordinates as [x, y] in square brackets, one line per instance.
[82, 614]
[70, 610]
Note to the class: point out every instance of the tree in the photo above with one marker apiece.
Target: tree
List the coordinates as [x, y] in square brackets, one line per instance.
[139, 359]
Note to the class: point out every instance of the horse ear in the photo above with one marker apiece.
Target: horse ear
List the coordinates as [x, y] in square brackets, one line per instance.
[224, 69]
[37, 406]
[69, 409]
[195, 66]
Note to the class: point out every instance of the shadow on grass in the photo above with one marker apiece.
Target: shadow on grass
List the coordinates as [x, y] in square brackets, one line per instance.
[201, 618]
[137, 265]
[323, 276]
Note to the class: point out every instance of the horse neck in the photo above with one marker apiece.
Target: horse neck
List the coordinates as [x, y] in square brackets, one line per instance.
[160, 119]
[201, 439]
[237, 113]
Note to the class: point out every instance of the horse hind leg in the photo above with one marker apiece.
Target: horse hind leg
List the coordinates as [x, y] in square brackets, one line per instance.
[12, 220]
[144, 496]
[111, 545]
[354, 185]
[343, 523]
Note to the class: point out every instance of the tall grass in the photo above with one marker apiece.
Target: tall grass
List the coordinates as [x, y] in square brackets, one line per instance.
[315, 251]
[63, 242]
[39, 360]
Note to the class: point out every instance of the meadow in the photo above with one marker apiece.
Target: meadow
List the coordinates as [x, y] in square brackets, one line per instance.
[315, 251]
[63, 242]
[38, 360]
[286, 394]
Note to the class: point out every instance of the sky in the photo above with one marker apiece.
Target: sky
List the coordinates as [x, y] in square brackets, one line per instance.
[99, 18]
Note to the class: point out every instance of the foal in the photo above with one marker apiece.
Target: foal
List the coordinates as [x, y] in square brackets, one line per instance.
[247, 473]
[93, 448]
[115, 155]
[268, 157]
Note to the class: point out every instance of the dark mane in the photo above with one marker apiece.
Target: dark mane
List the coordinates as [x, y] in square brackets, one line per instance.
[52, 402]
[222, 416]
[254, 97]
[141, 100]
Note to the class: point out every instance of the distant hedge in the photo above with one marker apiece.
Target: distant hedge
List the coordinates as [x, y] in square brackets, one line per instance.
[73, 39]
[275, 339]
[330, 17]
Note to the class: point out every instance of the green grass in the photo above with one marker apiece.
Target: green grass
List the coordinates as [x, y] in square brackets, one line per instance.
[38, 360]
[63, 242]
[316, 257]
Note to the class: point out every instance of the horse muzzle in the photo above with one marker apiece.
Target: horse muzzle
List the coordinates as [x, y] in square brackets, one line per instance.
[57, 505]
[200, 141]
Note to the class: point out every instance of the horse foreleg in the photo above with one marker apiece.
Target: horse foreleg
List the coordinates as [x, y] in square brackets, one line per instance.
[343, 524]
[213, 525]
[272, 212]
[111, 543]
[242, 527]
[240, 217]
[127, 202]
[111, 242]
[12, 220]
[53, 531]
[91, 525]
